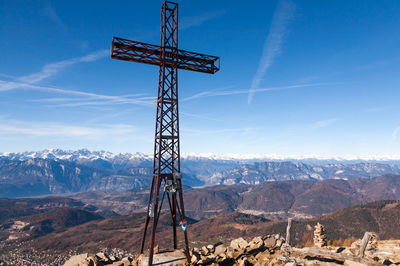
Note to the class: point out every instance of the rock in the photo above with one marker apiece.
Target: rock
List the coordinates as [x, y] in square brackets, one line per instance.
[287, 249]
[195, 257]
[127, 261]
[243, 261]
[210, 248]
[173, 258]
[219, 250]
[112, 258]
[319, 236]
[117, 263]
[270, 242]
[205, 251]
[278, 243]
[229, 252]
[290, 264]
[353, 263]
[239, 243]
[103, 257]
[373, 241]
[156, 250]
[74, 260]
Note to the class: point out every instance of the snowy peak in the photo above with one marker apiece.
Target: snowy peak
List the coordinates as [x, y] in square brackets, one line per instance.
[78, 155]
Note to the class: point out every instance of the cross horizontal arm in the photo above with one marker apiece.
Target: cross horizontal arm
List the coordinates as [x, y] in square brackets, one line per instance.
[152, 54]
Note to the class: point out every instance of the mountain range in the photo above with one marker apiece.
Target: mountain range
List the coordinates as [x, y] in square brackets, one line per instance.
[59, 172]
[272, 200]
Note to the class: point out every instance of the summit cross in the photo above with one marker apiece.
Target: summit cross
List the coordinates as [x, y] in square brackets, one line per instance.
[166, 164]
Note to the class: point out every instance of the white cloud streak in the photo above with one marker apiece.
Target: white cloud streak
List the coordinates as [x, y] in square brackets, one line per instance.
[243, 130]
[311, 126]
[188, 22]
[37, 129]
[80, 98]
[53, 68]
[281, 19]
[49, 70]
[214, 93]
[395, 133]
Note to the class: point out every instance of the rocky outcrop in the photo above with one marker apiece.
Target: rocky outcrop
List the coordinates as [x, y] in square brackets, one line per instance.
[240, 252]
[259, 251]
[100, 258]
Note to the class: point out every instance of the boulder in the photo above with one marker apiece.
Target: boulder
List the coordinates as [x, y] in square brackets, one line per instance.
[127, 261]
[74, 260]
[156, 250]
[103, 257]
[220, 250]
[255, 244]
[243, 261]
[239, 243]
[270, 242]
[229, 252]
[117, 263]
[113, 258]
[278, 243]
[204, 251]
[210, 248]
[195, 258]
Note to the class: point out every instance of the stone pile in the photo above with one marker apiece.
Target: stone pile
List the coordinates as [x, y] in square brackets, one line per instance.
[319, 236]
[100, 258]
[258, 251]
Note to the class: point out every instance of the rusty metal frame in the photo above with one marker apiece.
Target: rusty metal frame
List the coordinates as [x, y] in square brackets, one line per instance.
[140, 52]
[166, 163]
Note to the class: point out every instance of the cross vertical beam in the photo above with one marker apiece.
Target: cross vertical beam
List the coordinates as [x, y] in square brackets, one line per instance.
[167, 177]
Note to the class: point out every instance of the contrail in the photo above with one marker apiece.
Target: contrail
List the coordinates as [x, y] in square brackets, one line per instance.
[281, 19]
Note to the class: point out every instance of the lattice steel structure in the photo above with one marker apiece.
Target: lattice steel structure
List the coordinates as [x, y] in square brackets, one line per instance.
[166, 165]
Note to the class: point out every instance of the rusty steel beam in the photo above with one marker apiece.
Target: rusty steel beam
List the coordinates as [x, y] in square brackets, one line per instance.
[140, 52]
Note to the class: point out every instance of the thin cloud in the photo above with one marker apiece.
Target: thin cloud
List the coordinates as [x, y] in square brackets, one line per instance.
[49, 70]
[242, 130]
[37, 129]
[79, 98]
[235, 92]
[322, 123]
[395, 133]
[51, 13]
[281, 19]
[188, 22]
[54, 68]
[304, 128]
[200, 116]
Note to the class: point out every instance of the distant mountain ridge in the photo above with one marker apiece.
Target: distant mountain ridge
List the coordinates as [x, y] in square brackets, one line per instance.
[272, 200]
[85, 154]
[57, 172]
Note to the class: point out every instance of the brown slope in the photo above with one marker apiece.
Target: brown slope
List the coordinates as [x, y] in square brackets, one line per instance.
[325, 197]
[381, 217]
[210, 201]
[125, 232]
[14, 208]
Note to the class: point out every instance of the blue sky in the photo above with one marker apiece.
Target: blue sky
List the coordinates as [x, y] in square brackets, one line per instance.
[297, 77]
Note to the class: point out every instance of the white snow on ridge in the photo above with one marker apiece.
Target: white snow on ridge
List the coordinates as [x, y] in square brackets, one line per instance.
[85, 154]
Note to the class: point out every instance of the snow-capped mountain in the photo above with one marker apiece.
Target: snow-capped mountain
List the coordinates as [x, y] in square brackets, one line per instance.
[60, 171]
[79, 155]
[87, 155]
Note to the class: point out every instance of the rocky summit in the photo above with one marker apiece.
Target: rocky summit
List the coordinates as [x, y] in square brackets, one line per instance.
[266, 250]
